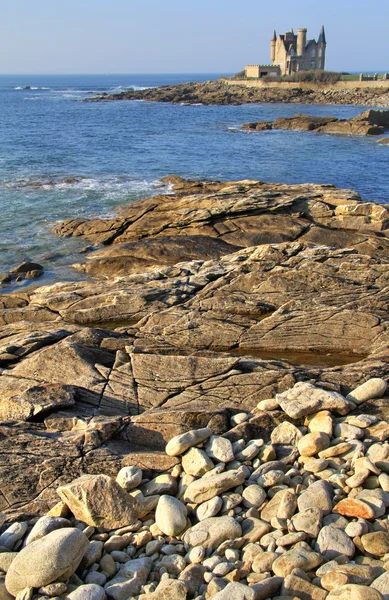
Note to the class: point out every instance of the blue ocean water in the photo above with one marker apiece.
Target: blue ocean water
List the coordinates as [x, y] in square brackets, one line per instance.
[61, 158]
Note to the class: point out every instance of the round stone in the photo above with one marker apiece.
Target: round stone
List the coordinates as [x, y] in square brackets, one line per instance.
[352, 591]
[376, 543]
[195, 462]
[170, 515]
[313, 443]
[129, 478]
[55, 556]
[253, 496]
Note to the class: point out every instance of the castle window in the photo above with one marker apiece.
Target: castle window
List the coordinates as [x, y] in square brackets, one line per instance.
[313, 52]
[320, 52]
[312, 64]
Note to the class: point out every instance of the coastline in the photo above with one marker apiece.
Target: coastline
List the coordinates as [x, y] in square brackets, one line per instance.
[229, 92]
[228, 281]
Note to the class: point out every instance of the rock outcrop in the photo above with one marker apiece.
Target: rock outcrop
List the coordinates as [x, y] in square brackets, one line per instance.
[220, 92]
[280, 285]
[370, 122]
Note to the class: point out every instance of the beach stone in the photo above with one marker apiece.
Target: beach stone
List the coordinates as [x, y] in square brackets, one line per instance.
[308, 521]
[286, 433]
[90, 591]
[379, 432]
[212, 532]
[332, 542]
[304, 399]
[373, 388]
[296, 558]
[378, 452]
[381, 584]
[129, 579]
[55, 556]
[219, 448]
[53, 589]
[209, 509]
[356, 528]
[206, 488]
[318, 495]
[263, 562]
[93, 554]
[346, 430]
[167, 589]
[195, 462]
[129, 478]
[14, 533]
[296, 587]
[171, 515]
[100, 501]
[253, 496]
[376, 543]
[44, 525]
[162, 484]
[321, 422]
[266, 588]
[254, 529]
[350, 507]
[196, 555]
[268, 404]
[180, 443]
[313, 443]
[315, 465]
[288, 505]
[336, 450]
[6, 558]
[235, 591]
[107, 564]
[352, 591]
[173, 563]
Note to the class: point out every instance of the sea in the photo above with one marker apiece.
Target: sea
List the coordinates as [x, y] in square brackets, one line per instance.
[62, 158]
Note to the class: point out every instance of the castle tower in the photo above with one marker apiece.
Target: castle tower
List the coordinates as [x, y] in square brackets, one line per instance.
[301, 41]
[273, 47]
[321, 44]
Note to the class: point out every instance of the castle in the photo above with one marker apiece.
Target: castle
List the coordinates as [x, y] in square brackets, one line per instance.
[290, 53]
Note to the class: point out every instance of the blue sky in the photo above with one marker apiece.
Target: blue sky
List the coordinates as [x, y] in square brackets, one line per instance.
[182, 36]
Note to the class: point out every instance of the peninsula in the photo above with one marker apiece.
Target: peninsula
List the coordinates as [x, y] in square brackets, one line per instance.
[235, 92]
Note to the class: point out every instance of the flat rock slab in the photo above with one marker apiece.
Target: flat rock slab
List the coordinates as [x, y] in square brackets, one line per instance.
[100, 501]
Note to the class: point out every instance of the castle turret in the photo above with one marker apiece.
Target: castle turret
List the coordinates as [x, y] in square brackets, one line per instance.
[273, 47]
[301, 41]
[322, 44]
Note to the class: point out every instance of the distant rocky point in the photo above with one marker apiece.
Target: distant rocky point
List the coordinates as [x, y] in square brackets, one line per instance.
[228, 93]
[370, 122]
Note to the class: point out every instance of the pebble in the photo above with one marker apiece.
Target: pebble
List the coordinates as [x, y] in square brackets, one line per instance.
[301, 517]
[332, 542]
[210, 508]
[253, 496]
[63, 549]
[179, 444]
[196, 462]
[374, 388]
[313, 443]
[12, 535]
[170, 515]
[129, 478]
[220, 449]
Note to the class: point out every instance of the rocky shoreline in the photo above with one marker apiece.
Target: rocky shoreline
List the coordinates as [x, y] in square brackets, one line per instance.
[370, 122]
[221, 93]
[301, 514]
[247, 310]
